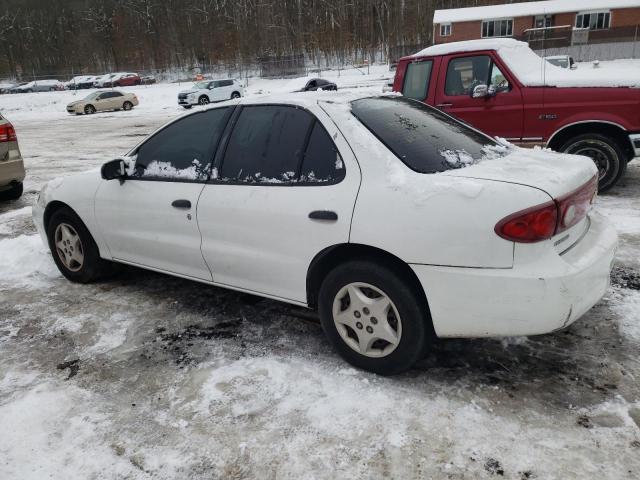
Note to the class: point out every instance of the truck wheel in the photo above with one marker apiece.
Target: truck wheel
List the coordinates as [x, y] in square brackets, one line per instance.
[14, 193]
[373, 317]
[73, 248]
[605, 152]
[203, 100]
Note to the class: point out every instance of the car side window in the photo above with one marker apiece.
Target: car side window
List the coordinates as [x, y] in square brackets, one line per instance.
[322, 163]
[116, 94]
[416, 80]
[226, 83]
[464, 73]
[266, 145]
[184, 149]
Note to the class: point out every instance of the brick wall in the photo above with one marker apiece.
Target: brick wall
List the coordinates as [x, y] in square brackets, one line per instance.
[473, 30]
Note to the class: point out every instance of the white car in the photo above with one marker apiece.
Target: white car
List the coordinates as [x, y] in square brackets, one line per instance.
[394, 220]
[208, 91]
[40, 86]
[100, 81]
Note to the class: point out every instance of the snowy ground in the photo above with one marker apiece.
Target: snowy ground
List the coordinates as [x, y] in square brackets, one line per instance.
[149, 376]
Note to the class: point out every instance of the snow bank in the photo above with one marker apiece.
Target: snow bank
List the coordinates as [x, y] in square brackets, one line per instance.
[531, 70]
[24, 260]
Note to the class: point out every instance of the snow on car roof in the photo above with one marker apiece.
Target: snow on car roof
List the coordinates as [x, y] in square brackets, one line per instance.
[530, 69]
[529, 8]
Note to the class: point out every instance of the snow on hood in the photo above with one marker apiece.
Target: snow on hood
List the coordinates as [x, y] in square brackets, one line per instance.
[555, 173]
[531, 70]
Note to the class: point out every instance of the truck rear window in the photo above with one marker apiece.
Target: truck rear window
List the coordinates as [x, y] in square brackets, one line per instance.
[425, 139]
[416, 80]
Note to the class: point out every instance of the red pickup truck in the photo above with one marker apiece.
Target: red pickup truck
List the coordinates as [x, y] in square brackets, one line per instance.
[503, 88]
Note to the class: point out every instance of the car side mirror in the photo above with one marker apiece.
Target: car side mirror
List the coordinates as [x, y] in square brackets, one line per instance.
[114, 169]
[480, 91]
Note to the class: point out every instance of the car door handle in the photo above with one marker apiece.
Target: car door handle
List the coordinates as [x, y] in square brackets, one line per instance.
[323, 215]
[181, 204]
[444, 105]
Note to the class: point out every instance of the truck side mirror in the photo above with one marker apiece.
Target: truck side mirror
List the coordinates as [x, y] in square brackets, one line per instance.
[114, 169]
[480, 91]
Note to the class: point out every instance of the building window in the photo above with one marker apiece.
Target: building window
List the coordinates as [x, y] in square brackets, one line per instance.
[594, 20]
[497, 28]
[543, 21]
[445, 29]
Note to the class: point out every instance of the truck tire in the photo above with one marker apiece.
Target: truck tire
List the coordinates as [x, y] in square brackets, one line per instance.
[373, 317]
[604, 151]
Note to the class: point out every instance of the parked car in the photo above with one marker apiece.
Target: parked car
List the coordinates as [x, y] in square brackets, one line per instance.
[40, 86]
[101, 101]
[393, 219]
[80, 82]
[562, 61]
[207, 91]
[148, 80]
[318, 84]
[503, 88]
[122, 79]
[11, 165]
[101, 81]
[14, 88]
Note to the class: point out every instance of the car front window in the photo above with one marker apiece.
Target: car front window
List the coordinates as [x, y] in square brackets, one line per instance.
[201, 85]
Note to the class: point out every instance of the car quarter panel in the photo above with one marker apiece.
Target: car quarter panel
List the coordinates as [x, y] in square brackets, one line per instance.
[429, 218]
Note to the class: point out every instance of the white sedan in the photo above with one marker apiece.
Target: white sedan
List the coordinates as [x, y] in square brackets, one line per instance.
[395, 221]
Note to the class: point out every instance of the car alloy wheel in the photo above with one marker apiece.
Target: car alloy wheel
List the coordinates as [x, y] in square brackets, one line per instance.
[69, 247]
[367, 320]
[89, 109]
[127, 105]
[203, 100]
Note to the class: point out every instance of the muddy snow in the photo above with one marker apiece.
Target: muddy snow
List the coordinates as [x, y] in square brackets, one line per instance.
[148, 376]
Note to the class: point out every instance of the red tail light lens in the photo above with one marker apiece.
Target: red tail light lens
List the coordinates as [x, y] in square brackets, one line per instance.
[531, 225]
[544, 221]
[574, 206]
[7, 133]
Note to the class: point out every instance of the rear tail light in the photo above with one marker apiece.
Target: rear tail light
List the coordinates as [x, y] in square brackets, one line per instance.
[7, 133]
[542, 222]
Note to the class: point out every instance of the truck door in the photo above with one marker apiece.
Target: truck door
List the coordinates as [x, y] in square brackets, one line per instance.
[499, 114]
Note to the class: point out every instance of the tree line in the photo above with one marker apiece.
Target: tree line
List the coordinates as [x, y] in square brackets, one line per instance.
[49, 37]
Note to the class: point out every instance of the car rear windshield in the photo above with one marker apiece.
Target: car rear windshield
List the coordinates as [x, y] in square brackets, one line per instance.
[425, 139]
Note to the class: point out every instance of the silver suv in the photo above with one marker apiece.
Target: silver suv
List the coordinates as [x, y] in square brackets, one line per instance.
[11, 165]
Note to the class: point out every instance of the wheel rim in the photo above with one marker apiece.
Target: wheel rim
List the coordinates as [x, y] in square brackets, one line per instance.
[127, 106]
[204, 101]
[599, 152]
[69, 247]
[367, 320]
[89, 109]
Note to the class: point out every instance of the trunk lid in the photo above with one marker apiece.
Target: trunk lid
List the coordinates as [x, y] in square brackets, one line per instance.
[556, 174]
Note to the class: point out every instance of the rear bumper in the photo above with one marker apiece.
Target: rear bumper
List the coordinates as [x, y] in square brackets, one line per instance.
[11, 171]
[529, 299]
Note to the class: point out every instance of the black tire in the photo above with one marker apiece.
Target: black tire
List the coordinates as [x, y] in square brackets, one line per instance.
[14, 193]
[203, 100]
[235, 95]
[415, 324]
[605, 152]
[93, 267]
[127, 106]
[89, 109]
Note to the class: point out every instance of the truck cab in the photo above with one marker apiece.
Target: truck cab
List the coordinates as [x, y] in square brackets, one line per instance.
[504, 89]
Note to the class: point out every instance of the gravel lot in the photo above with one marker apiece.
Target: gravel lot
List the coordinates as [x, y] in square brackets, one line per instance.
[149, 376]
